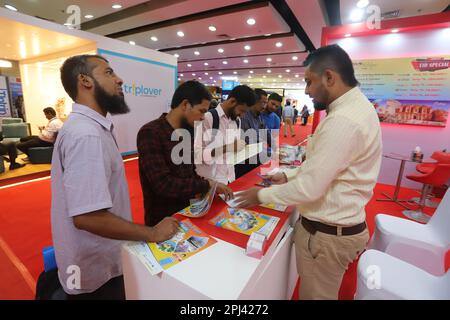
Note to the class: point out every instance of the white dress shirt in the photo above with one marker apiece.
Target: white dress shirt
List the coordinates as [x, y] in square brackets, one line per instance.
[49, 133]
[342, 165]
[206, 166]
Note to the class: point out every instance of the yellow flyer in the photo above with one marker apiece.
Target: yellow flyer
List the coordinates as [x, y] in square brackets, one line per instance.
[245, 221]
[188, 241]
[199, 207]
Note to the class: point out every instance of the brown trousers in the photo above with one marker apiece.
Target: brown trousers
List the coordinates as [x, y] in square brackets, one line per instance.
[288, 122]
[322, 260]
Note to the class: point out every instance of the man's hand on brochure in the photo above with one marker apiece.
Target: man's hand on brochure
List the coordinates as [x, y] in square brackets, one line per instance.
[248, 198]
[225, 190]
[277, 178]
[165, 229]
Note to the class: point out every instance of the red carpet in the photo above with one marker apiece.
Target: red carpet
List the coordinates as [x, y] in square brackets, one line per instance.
[25, 228]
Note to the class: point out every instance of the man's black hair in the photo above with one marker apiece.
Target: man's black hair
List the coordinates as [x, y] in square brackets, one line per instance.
[259, 93]
[50, 110]
[275, 96]
[335, 58]
[193, 91]
[73, 67]
[243, 95]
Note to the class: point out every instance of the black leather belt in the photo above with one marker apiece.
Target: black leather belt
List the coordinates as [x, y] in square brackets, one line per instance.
[314, 226]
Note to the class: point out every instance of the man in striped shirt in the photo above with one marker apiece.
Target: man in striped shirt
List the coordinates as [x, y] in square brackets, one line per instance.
[334, 184]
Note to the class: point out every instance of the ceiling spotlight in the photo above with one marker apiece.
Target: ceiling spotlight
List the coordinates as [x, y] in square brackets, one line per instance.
[269, 71]
[280, 76]
[116, 6]
[5, 64]
[199, 78]
[267, 34]
[154, 38]
[269, 59]
[288, 70]
[249, 77]
[224, 62]
[206, 63]
[212, 28]
[132, 43]
[176, 55]
[197, 53]
[180, 33]
[179, 79]
[251, 21]
[356, 15]
[297, 76]
[189, 65]
[181, 75]
[247, 47]
[206, 73]
[234, 72]
[295, 58]
[348, 35]
[220, 72]
[264, 77]
[245, 61]
[220, 50]
[278, 44]
[362, 4]
[193, 74]
[251, 71]
[89, 16]
[210, 78]
[214, 81]
[395, 30]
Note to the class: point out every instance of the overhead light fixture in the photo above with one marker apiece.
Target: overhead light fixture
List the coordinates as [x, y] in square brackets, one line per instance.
[220, 72]
[245, 61]
[212, 28]
[132, 43]
[249, 77]
[214, 81]
[181, 75]
[297, 76]
[268, 34]
[10, 7]
[116, 6]
[251, 71]
[264, 77]
[206, 63]
[189, 65]
[89, 16]
[269, 59]
[395, 30]
[348, 35]
[251, 21]
[176, 55]
[180, 34]
[278, 44]
[247, 47]
[206, 73]
[356, 15]
[220, 50]
[179, 79]
[362, 4]
[295, 58]
[269, 71]
[224, 62]
[289, 79]
[199, 78]
[234, 72]
[5, 64]
[210, 78]
[193, 74]
[197, 53]
[154, 38]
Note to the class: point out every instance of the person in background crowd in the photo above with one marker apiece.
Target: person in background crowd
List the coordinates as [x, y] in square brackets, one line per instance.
[295, 114]
[47, 135]
[271, 120]
[305, 115]
[288, 118]
[335, 183]
[10, 149]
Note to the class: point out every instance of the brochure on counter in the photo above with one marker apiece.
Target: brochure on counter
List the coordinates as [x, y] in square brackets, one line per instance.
[245, 221]
[233, 204]
[159, 256]
[200, 207]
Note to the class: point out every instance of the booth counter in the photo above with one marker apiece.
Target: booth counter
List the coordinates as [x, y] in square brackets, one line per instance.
[223, 271]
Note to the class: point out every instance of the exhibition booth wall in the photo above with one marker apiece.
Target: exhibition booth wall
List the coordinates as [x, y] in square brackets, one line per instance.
[149, 76]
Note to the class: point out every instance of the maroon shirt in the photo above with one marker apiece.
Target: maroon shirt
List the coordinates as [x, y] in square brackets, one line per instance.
[167, 187]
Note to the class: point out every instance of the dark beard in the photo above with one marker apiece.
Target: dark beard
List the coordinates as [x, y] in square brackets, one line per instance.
[114, 104]
[318, 106]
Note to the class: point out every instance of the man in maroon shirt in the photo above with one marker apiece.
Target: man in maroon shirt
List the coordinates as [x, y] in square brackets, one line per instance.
[168, 186]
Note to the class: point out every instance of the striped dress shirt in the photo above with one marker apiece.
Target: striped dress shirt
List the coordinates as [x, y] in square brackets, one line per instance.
[343, 161]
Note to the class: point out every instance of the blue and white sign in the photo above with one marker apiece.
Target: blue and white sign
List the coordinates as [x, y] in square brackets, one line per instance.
[5, 107]
[148, 86]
